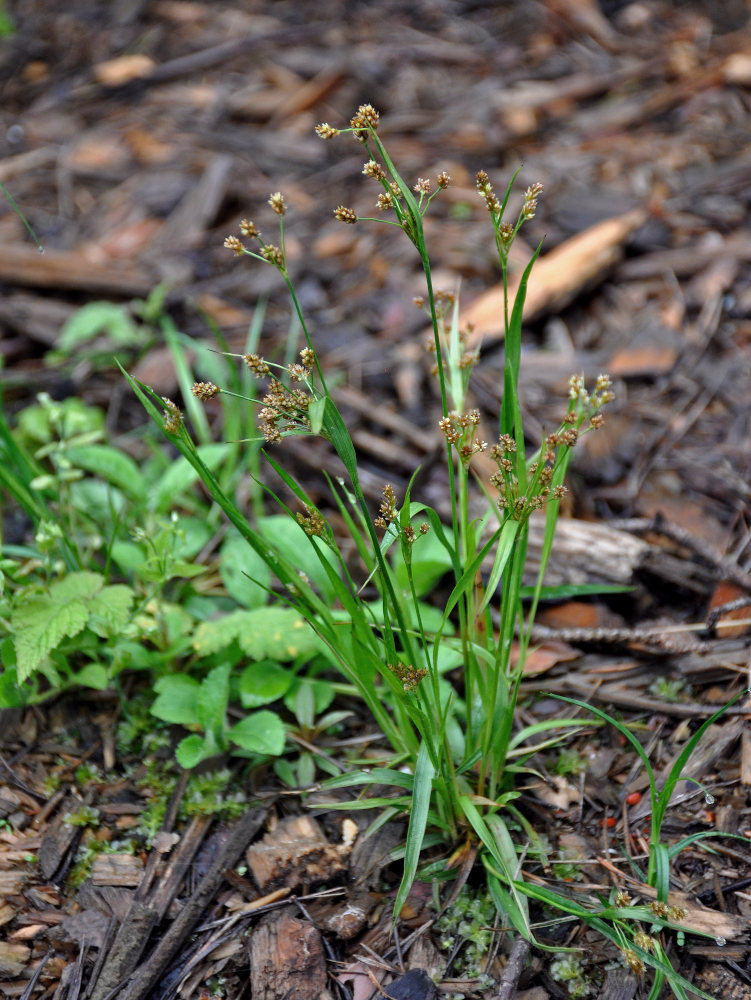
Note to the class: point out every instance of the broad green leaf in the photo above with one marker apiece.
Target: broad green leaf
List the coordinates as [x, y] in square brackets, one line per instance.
[177, 699]
[96, 318]
[181, 475]
[244, 573]
[110, 464]
[192, 750]
[260, 732]
[263, 682]
[289, 538]
[93, 675]
[99, 501]
[430, 562]
[323, 694]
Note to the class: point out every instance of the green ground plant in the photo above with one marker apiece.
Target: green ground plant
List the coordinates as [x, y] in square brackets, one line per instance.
[441, 683]
[112, 581]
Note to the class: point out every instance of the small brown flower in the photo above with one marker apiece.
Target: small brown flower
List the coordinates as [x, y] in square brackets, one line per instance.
[374, 170]
[385, 201]
[366, 118]
[256, 364]
[173, 418]
[443, 180]
[633, 961]
[530, 200]
[235, 245]
[277, 203]
[273, 255]
[344, 214]
[247, 228]
[204, 390]
[422, 186]
[326, 131]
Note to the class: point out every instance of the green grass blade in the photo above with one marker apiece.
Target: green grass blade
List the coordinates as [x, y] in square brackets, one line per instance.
[418, 818]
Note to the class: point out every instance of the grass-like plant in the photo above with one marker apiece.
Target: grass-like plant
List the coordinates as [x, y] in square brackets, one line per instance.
[441, 683]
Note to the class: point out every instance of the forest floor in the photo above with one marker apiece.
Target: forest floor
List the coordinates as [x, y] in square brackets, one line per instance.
[135, 136]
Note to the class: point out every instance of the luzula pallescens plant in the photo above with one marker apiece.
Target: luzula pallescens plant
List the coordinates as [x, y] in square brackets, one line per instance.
[441, 685]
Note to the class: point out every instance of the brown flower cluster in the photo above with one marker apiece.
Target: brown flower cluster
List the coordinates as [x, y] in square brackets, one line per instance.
[485, 190]
[312, 521]
[408, 675]
[273, 254]
[460, 430]
[173, 418]
[284, 410]
[205, 390]
[389, 511]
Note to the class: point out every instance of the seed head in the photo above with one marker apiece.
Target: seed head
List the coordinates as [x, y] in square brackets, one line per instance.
[312, 521]
[273, 255]
[530, 200]
[633, 961]
[235, 245]
[257, 365]
[443, 180]
[385, 201]
[365, 119]
[204, 390]
[344, 214]
[422, 186]
[484, 186]
[389, 511]
[247, 228]
[326, 131]
[277, 203]
[308, 357]
[643, 940]
[374, 170]
[173, 418]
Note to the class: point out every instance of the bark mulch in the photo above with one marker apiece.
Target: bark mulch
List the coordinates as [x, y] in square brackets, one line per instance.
[135, 136]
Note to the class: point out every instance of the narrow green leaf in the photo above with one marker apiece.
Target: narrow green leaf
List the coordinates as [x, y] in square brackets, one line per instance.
[418, 818]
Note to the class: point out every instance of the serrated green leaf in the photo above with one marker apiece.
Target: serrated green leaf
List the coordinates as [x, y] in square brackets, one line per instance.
[212, 699]
[83, 585]
[44, 620]
[177, 699]
[275, 633]
[263, 682]
[110, 609]
[260, 732]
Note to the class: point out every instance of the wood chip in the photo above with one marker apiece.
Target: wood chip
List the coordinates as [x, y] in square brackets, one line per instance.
[287, 960]
[117, 869]
[557, 277]
[293, 854]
